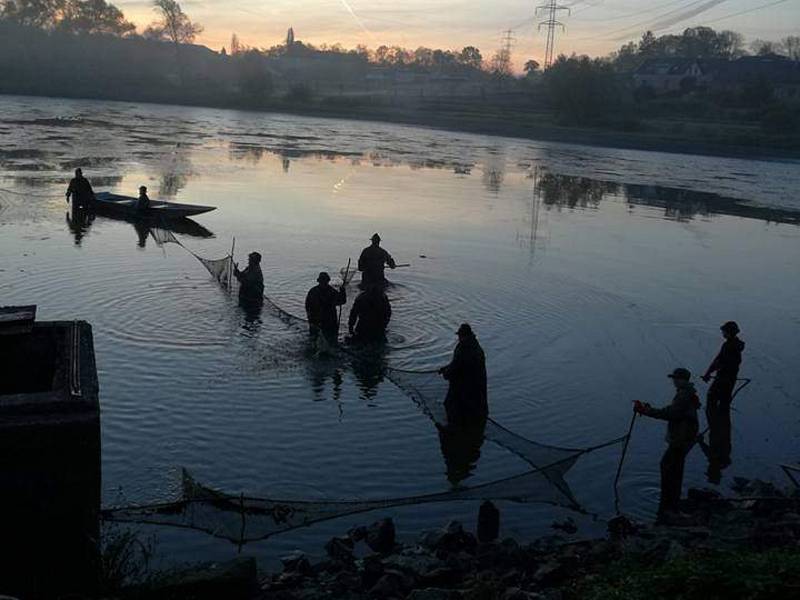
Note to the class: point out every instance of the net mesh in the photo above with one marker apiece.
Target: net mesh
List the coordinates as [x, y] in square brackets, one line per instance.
[241, 519]
[221, 269]
[163, 236]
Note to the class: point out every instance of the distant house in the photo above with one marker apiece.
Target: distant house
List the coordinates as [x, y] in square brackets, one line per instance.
[665, 75]
[779, 72]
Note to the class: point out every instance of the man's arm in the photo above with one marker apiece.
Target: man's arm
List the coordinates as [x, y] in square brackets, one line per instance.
[70, 190]
[341, 296]
[309, 306]
[362, 260]
[351, 321]
[714, 366]
[389, 260]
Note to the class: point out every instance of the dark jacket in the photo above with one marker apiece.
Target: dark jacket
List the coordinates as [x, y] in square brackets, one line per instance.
[143, 203]
[681, 415]
[467, 395]
[81, 191]
[726, 363]
[321, 303]
[251, 282]
[370, 315]
[372, 262]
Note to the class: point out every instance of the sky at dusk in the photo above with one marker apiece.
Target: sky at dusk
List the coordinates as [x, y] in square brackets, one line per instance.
[594, 27]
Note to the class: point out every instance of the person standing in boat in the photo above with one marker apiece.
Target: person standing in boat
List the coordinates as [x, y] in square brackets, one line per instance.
[373, 261]
[321, 303]
[467, 399]
[80, 191]
[681, 416]
[143, 203]
[251, 279]
[370, 315]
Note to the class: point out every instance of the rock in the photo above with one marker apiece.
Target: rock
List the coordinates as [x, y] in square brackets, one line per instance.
[390, 585]
[442, 577]
[451, 539]
[340, 548]
[703, 495]
[371, 569]
[567, 526]
[621, 527]
[233, 579]
[488, 522]
[430, 593]
[296, 562]
[357, 533]
[380, 536]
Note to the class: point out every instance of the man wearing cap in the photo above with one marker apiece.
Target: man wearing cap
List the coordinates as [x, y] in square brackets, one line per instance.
[370, 315]
[321, 303]
[726, 366]
[373, 261]
[681, 415]
[80, 190]
[466, 402]
[251, 280]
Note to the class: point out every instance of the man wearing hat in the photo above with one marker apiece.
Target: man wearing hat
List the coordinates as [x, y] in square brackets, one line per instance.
[251, 280]
[466, 402]
[373, 261]
[143, 202]
[726, 366]
[321, 303]
[682, 427]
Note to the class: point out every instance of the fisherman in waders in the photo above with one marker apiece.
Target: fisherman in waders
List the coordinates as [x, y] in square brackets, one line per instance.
[718, 401]
[373, 261]
[370, 315]
[251, 280]
[681, 416]
[321, 303]
[80, 191]
[466, 402]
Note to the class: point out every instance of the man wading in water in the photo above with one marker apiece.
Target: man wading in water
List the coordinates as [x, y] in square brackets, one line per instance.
[466, 402]
[370, 315]
[251, 280]
[373, 261]
[681, 435]
[321, 303]
[80, 190]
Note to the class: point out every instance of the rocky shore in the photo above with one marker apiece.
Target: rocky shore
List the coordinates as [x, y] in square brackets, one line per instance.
[743, 546]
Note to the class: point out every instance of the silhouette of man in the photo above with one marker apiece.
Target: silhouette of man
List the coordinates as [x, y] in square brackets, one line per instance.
[80, 191]
[251, 280]
[726, 366]
[466, 401]
[321, 303]
[681, 416]
[373, 261]
[370, 315]
[143, 203]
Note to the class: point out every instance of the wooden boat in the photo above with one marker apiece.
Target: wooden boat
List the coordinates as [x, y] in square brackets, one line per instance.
[116, 204]
[49, 457]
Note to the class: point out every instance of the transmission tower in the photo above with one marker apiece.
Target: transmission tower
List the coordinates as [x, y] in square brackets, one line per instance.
[505, 51]
[550, 10]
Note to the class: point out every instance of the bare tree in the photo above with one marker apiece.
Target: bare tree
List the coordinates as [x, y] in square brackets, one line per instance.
[791, 46]
[531, 67]
[764, 47]
[174, 25]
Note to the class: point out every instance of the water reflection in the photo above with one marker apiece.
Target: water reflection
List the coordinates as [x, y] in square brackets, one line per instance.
[573, 192]
[368, 367]
[79, 221]
[461, 449]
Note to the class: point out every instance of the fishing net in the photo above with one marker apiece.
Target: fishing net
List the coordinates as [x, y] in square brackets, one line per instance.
[242, 519]
[163, 236]
[220, 269]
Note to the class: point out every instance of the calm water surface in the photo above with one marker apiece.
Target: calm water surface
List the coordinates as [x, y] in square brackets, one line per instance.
[587, 273]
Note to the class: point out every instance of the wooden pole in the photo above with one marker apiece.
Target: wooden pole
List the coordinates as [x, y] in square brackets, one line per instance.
[230, 271]
[344, 282]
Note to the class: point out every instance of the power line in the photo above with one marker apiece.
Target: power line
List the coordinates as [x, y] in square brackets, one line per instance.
[551, 10]
[749, 10]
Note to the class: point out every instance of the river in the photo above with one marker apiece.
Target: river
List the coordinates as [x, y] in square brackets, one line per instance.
[587, 273]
